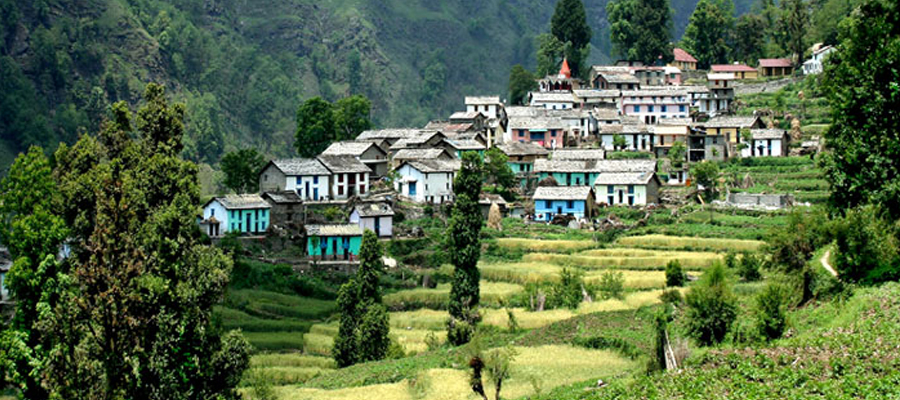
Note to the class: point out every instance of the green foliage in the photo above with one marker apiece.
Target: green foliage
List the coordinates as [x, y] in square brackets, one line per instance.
[373, 334]
[242, 169]
[567, 291]
[711, 307]
[861, 83]
[792, 27]
[464, 246]
[550, 54]
[749, 39]
[619, 142]
[521, 81]
[496, 169]
[351, 116]
[867, 246]
[661, 326]
[671, 296]
[706, 174]
[346, 347]
[641, 29]
[280, 278]
[707, 33]
[612, 285]
[790, 247]
[316, 127]
[749, 268]
[333, 214]
[569, 25]
[674, 274]
[771, 310]
[677, 154]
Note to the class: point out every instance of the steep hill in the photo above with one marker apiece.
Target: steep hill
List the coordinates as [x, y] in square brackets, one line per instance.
[244, 66]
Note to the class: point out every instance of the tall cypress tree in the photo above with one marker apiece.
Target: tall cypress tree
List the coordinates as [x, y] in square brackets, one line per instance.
[569, 25]
[464, 244]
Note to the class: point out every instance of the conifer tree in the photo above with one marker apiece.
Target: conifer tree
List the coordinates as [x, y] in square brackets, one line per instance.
[464, 245]
[569, 25]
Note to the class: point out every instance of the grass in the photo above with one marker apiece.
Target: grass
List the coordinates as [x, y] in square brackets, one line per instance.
[275, 341]
[265, 304]
[534, 272]
[553, 246]
[681, 242]
[320, 338]
[291, 360]
[492, 293]
[694, 261]
[237, 319]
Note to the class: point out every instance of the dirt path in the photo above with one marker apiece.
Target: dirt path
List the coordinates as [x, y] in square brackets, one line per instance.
[824, 261]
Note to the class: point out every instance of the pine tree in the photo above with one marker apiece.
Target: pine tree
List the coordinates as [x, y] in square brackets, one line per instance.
[520, 83]
[569, 25]
[641, 29]
[464, 245]
[707, 33]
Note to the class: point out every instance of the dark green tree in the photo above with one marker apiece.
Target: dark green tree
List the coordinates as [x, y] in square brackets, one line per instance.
[142, 285]
[748, 39]
[364, 323]
[497, 170]
[706, 36]
[706, 175]
[862, 84]
[792, 27]
[241, 169]
[315, 127]
[867, 246]
[641, 29]
[674, 274]
[351, 117]
[569, 25]
[771, 310]
[32, 233]
[711, 307]
[354, 72]
[550, 54]
[520, 83]
[677, 154]
[464, 247]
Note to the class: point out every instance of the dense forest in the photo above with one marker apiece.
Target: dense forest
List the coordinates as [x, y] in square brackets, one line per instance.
[244, 67]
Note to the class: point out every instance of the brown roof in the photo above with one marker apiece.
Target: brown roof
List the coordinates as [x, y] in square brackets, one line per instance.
[732, 68]
[775, 62]
[683, 56]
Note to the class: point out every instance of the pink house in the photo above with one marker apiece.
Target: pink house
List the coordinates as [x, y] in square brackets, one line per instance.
[547, 132]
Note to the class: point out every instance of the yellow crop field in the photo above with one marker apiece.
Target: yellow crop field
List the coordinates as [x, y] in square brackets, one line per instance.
[526, 319]
[631, 301]
[689, 260]
[686, 242]
[318, 343]
[388, 391]
[528, 272]
[633, 279]
[419, 319]
[414, 340]
[491, 293]
[545, 245]
[320, 338]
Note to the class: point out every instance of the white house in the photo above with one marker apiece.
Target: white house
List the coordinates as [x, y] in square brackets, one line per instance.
[720, 95]
[637, 137]
[243, 213]
[651, 106]
[377, 217]
[367, 153]
[766, 143]
[428, 181]
[813, 66]
[552, 100]
[349, 176]
[308, 177]
[627, 188]
[490, 106]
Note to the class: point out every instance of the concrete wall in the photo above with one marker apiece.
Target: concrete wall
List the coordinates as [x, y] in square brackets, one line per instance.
[216, 209]
[641, 194]
[386, 223]
[767, 200]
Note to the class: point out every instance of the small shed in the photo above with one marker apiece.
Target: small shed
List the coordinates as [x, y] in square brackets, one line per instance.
[333, 242]
[377, 217]
[287, 209]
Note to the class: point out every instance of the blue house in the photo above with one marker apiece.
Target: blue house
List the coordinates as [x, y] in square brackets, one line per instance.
[244, 213]
[333, 242]
[577, 201]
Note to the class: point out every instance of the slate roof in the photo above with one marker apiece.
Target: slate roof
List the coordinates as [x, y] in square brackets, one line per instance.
[522, 149]
[447, 126]
[731, 68]
[630, 129]
[604, 114]
[374, 210]
[775, 62]
[730, 122]
[547, 97]
[465, 115]
[596, 93]
[535, 123]
[334, 230]
[640, 165]
[432, 166]
[300, 166]
[624, 178]
[490, 198]
[482, 100]
[562, 192]
[420, 139]
[620, 77]
[696, 89]
[654, 93]
[387, 134]
[465, 144]
[241, 201]
[522, 111]
[683, 56]
[283, 197]
[675, 121]
[761, 134]
[348, 148]
[343, 164]
[420, 154]
[577, 154]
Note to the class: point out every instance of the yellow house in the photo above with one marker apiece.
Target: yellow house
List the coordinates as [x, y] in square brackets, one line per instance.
[776, 67]
[730, 127]
[740, 71]
[683, 60]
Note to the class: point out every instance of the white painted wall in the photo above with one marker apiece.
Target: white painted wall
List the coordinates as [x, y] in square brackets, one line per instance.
[429, 187]
[489, 110]
[343, 180]
[387, 226]
[777, 150]
[214, 208]
[640, 194]
[299, 185]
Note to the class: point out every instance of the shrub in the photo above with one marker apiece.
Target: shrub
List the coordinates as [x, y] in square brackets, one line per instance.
[749, 268]
[712, 307]
[671, 296]
[612, 285]
[771, 310]
[567, 292]
[731, 260]
[674, 274]
[333, 214]
[868, 246]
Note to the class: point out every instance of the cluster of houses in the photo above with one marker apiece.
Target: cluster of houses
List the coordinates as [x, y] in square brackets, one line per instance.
[556, 145]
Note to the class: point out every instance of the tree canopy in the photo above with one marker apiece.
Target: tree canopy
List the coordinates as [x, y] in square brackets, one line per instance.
[641, 29]
[520, 83]
[569, 25]
[464, 244]
[241, 169]
[707, 33]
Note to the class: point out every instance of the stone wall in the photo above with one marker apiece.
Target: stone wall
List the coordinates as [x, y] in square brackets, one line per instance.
[762, 200]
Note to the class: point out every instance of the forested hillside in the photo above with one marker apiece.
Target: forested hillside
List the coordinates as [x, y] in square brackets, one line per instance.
[243, 67]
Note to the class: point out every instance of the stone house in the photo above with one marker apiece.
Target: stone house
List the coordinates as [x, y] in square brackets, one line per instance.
[308, 177]
[287, 210]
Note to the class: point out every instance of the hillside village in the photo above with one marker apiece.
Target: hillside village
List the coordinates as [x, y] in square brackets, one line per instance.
[667, 226]
[575, 148]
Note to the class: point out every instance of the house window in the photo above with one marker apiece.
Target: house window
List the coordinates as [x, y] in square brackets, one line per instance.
[266, 178]
[651, 108]
[340, 178]
[637, 108]
[340, 190]
[361, 177]
[609, 190]
[630, 189]
[315, 180]
[681, 108]
[664, 108]
[570, 204]
[362, 189]
[212, 212]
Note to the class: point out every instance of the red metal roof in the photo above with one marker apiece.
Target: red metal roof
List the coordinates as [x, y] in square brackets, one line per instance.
[732, 68]
[683, 56]
[565, 70]
[775, 62]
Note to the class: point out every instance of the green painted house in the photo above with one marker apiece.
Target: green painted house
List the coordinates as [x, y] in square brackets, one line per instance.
[585, 172]
[333, 242]
[521, 157]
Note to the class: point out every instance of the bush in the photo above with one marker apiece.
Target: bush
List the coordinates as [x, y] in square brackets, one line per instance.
[712, 307]
[749, 268]
[868, 246]
[612, 285]
[771, 311]
[674, 274]
[333, 214]
[281, 278]
[568, 291]
[731, 260]
[671, 296]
